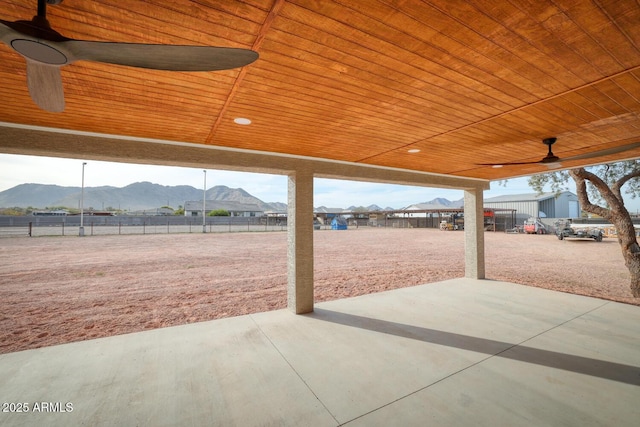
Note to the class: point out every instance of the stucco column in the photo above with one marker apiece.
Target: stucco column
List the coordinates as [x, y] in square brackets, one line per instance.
[300, 242]
[474, 234]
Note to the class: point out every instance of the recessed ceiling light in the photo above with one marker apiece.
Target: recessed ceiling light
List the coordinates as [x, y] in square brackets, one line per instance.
[496, 166]
[413, 150]
[241, 121]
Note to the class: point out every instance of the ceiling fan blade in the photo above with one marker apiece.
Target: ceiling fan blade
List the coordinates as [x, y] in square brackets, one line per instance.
[160, 57]
[45, 86]
[4, 30]
[605, 152]
[554, 162]
[508, 163]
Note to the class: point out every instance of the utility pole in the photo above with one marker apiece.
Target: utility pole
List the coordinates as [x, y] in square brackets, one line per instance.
[81, 232]
[204, 203]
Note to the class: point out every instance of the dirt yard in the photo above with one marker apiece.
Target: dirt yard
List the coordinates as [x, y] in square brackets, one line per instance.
[61, 289]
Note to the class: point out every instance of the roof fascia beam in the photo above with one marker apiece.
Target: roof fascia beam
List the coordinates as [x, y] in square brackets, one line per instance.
[40, 141]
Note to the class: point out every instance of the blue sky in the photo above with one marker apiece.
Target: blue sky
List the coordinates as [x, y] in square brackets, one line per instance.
[18, 169]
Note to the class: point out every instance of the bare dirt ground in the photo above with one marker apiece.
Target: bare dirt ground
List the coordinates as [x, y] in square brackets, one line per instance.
[62, 289]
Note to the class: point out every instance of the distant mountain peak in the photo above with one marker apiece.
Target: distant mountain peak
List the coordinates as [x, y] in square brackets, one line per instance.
[439, 201]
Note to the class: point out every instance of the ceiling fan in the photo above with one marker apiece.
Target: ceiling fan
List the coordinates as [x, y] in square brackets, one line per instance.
[552, 161]
[46, 50]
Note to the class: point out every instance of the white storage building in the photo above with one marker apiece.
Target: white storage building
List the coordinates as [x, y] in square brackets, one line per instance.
[194, 208]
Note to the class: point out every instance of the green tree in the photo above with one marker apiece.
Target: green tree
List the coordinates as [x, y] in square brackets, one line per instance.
[600, 190]
[219, 212]
[15, 211]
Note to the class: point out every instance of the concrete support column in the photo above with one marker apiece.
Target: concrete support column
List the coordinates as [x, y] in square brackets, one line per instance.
[474, 234]
[300, 242]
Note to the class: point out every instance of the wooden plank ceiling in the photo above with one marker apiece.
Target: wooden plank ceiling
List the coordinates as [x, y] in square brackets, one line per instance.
[365, 81]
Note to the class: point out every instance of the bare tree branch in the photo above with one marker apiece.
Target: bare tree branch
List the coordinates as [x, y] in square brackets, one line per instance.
[616, 187]
[615, 203]
[580, 176]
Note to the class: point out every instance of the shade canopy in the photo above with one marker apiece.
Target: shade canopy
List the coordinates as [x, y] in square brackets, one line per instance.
[436, 86]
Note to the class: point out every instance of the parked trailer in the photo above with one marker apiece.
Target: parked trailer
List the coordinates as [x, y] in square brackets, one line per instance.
[566, 230]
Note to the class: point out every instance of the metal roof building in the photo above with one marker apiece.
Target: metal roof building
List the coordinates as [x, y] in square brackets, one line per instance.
[545, 205]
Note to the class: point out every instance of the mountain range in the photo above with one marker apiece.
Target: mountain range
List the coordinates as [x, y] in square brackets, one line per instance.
[146, 195]
[136, 196]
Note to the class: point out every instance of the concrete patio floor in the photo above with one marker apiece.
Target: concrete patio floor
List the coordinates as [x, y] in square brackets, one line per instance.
[458, 352]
